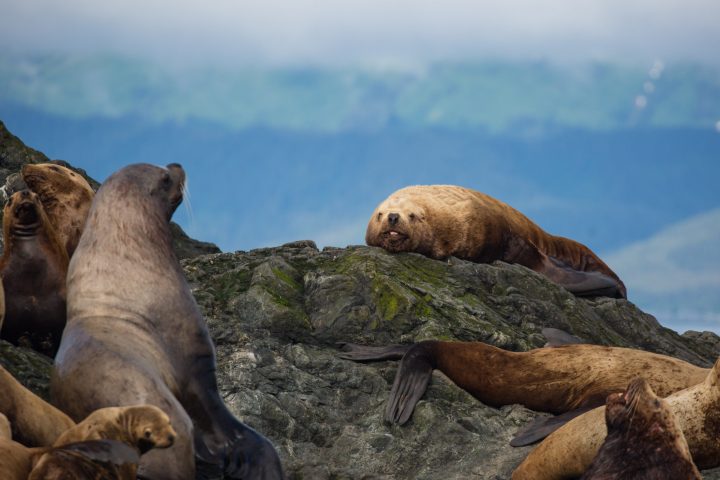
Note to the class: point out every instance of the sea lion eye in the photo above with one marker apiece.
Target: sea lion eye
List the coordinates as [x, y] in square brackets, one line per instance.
[412, 216]
[379, 216]
[165, 180]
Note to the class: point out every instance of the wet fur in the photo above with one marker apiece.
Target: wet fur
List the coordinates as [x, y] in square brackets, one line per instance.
[440, 221]
[135, 334]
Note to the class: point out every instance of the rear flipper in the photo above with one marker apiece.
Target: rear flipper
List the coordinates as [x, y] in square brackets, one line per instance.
[541, 427]
[411, 381]
[363, 353]
[556, 337]
[582, 284]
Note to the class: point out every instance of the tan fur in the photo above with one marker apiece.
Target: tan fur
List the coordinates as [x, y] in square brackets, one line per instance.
[36, 422]
[445, 220]
[15, 460]
[130, 425]
[569, 451]
[66, 196]
[5, 430]
[557, 379]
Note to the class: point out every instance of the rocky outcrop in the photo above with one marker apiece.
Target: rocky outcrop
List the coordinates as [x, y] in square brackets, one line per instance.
[276, 315]
[14, 154]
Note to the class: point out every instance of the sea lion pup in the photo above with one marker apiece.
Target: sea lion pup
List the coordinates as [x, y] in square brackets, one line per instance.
[33, 268]
[136, 336]
[141, 428]
[644, 440]
[569, 451]
[35, 422]
[66, 196]
[440, 221]
[569, 378]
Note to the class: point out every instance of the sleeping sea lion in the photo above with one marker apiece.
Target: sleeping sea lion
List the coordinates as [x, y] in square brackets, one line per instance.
[136, 336]
[568, 379]
[33, 269]
[440, 221]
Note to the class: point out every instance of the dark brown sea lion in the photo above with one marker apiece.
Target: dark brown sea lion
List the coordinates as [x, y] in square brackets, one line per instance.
[644, 440]
[33, 269]
[136, 336]
[569, 451]
[570, 378]
[440, 221]
[66, 196]
[35, 422]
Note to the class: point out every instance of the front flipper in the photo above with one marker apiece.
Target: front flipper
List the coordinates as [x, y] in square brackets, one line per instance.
[109, 451]
[411, 381]
[582, 284]
[220, 438]
[541, 427]
[364, 353]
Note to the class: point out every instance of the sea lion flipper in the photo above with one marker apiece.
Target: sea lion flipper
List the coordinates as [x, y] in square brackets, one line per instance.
[582, 284]
[556, 337]
[541, 427]
[110, 451]
[363, 353]
[410, 383]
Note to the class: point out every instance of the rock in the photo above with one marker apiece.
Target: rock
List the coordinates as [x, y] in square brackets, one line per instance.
[14, 154]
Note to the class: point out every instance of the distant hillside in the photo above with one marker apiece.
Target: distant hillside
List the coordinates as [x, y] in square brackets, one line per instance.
[517, 98]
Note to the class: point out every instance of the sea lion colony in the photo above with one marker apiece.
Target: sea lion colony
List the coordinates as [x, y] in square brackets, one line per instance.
[150, 334]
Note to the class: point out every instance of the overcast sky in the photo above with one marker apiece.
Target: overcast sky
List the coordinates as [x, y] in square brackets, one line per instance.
[367, 31]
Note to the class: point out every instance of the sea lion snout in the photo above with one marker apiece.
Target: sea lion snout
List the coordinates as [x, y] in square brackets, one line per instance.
[393, 218]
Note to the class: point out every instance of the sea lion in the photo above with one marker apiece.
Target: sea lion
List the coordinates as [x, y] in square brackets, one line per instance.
[141, 428]
[66, 196]
[440, 221]
[569, 451]
[644, 440]
[33, 269]
[35, 422]
[136, 336]
[564, 379]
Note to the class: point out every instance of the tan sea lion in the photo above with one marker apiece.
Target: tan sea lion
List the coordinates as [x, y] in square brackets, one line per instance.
[440, 221]
[35, 422]
[66, 196]
[33, 269]
[141, 427]
[569, 451]
[644, 440]
[136, 336]
[569, 378]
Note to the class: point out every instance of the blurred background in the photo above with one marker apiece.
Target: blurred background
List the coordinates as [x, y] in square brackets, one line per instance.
[599, 119]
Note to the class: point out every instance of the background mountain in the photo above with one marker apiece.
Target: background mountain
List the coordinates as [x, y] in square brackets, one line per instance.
[606, 153]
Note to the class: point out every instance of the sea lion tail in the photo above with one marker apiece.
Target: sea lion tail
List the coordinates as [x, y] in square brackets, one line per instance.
[364, 353]
[411, 381]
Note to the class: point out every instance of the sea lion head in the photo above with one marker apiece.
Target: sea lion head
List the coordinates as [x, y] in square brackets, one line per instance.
[23, 214]
[638, 413]
[51, 181]
[155, 188]
[148, 426]
[399, 224]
